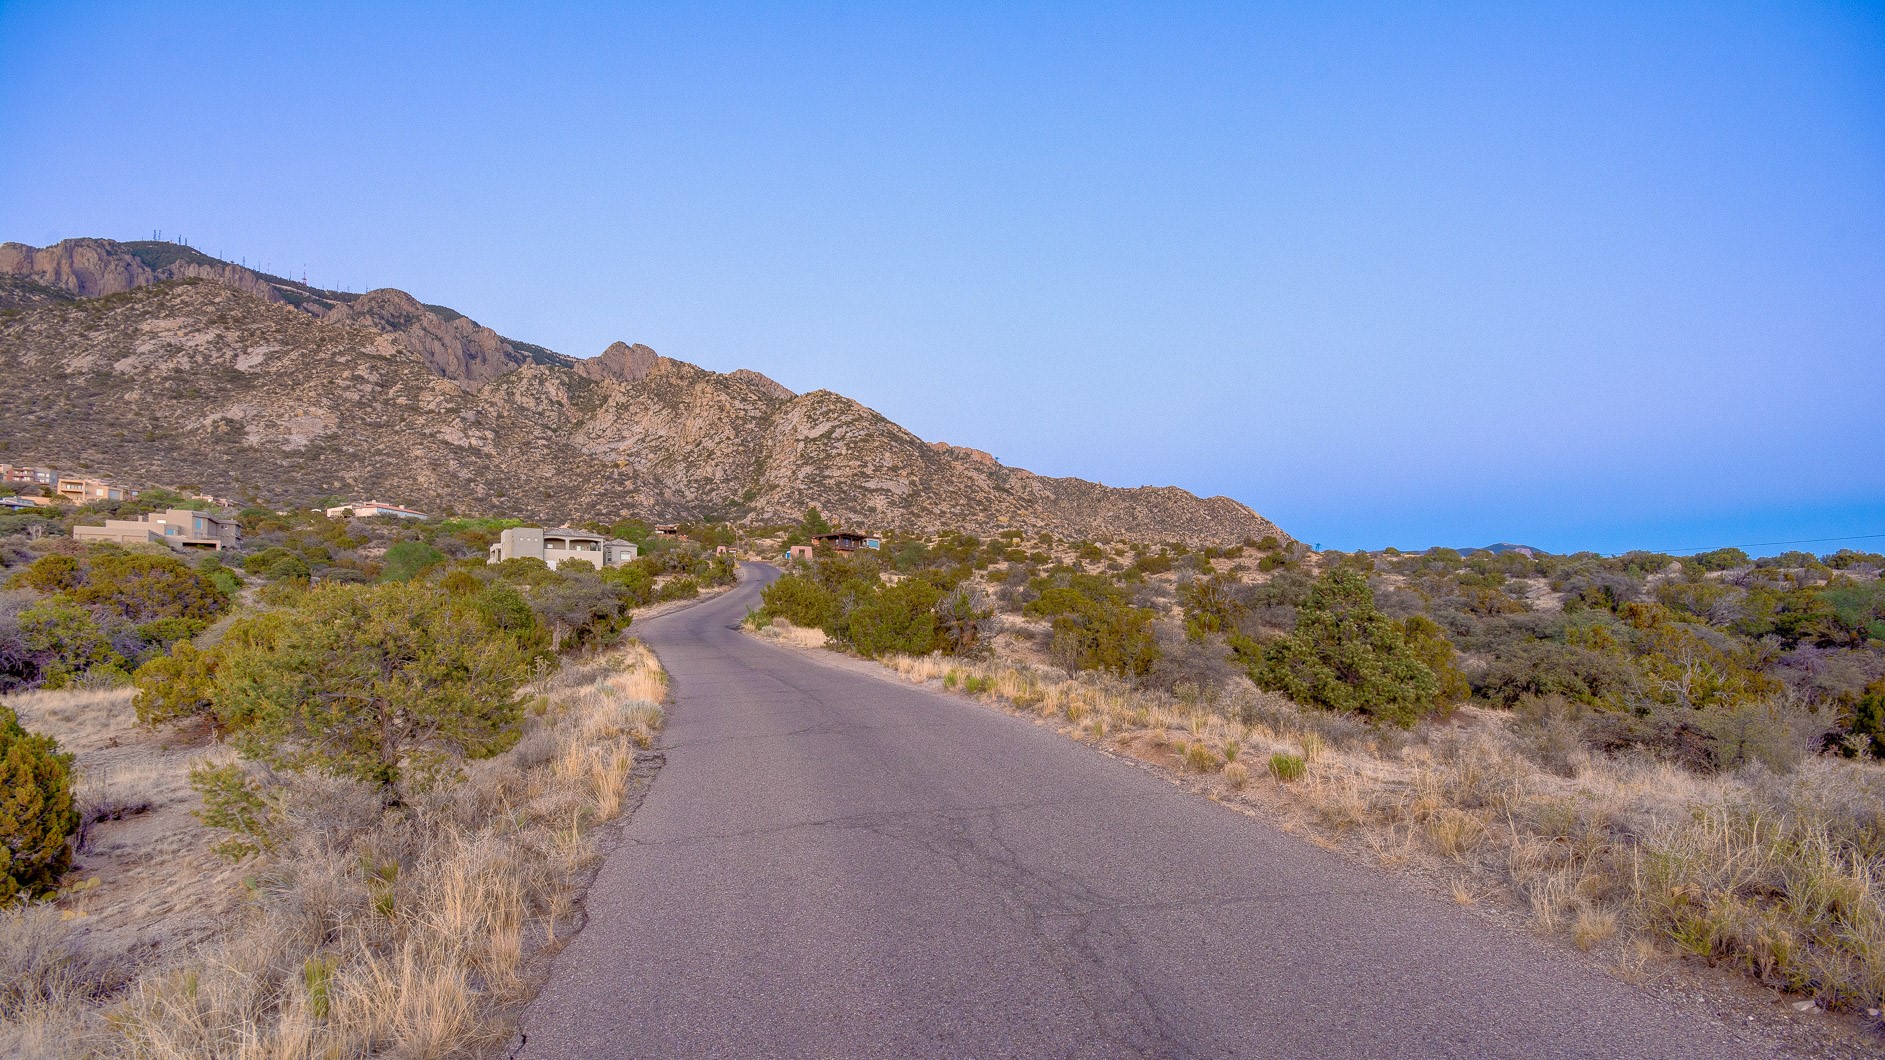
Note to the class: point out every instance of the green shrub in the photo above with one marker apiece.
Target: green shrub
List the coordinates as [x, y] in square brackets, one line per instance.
[406, 559]
[1345, 655]
[801, 601]
[1287, 767]
[385, 684]
[235, 803]
[137, 587]
[180, 684]
[897, 618]
[277, 564]
[1865, 729]
[50, 574]
[68, 641]
[167, 631]
[678, 589]
[37, 814]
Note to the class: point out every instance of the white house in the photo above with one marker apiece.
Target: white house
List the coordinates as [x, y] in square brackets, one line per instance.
[373, 508]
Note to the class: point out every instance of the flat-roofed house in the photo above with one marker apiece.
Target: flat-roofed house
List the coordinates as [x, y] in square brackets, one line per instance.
[555, 546]
[842, 540]
[180, 528]
[87, 490]
[374, 508]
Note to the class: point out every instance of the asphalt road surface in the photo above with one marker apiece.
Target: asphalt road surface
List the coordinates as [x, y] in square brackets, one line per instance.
[832, 865]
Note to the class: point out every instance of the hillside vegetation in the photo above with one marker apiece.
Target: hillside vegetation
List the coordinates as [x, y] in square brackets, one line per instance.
[333, 794]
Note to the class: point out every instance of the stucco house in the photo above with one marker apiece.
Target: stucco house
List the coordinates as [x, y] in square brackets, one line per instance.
[555, 546]
[180, 528]
[86, 490]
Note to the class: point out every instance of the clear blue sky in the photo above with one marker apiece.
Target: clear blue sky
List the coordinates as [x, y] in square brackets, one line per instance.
[1581, 276]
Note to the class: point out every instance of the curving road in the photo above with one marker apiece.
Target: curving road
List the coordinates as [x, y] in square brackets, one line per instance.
[830, 865]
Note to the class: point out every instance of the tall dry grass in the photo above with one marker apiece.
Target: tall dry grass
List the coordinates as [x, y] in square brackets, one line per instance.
[1782, 876]
[409, 934]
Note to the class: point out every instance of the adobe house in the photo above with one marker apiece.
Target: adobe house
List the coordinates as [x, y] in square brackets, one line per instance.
[555, 546]
[842, 540]
[799, 553]
[180, 528]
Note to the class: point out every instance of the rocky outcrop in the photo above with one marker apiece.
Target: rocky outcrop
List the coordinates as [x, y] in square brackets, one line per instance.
[620, 362]
[459, 348]
[195, 382]
[964, 453]
[455, 346]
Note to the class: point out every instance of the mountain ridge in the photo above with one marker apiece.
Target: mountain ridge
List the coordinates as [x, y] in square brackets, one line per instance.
[242, 381]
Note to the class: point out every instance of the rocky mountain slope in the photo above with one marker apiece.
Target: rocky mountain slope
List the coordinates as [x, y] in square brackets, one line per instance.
[155, 363]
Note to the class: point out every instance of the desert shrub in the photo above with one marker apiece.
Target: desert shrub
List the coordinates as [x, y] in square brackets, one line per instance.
[226, 581]
[1865, 728]
[1099, 634]
[578, 608]
[37, 813]
[166, 631]
[65, 640]
[1428, 641]
[963, 619]
[682, 588]
[235, 803]
[180, 684]
[801, 601]
[137, 587]
[633, 580]
[1554, 668]
[384, 684]
[406, 559]
[50, 574]
[504, 608]
[460, 583]
[1287, 767]
[1345, 655]
[1552, 731]
[889, 619]
[1757, 732]
[277, 564]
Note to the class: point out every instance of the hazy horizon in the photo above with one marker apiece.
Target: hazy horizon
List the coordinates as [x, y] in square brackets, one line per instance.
[1577, 278]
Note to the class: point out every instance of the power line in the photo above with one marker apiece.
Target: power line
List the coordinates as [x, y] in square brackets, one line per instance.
[1762, 544]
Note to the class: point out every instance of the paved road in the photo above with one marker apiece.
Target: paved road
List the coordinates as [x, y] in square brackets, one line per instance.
[830, 865]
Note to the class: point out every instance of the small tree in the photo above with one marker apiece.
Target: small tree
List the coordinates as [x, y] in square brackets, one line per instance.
[814, 523]
[384, 684]
[1346, 655]
[37, 815]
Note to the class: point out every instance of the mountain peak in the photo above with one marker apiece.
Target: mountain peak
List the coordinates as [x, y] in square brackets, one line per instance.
[621, 362]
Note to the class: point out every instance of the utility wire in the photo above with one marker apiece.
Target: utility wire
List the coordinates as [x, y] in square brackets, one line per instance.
[1760, 544]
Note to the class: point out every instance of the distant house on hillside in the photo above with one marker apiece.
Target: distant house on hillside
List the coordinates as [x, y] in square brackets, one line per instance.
[16, 503]
[87, 490]
[670, 530]
[372, 509]
[28, 476]
[842, 540]
[555, 546]
[799, 553]
[180, 528]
